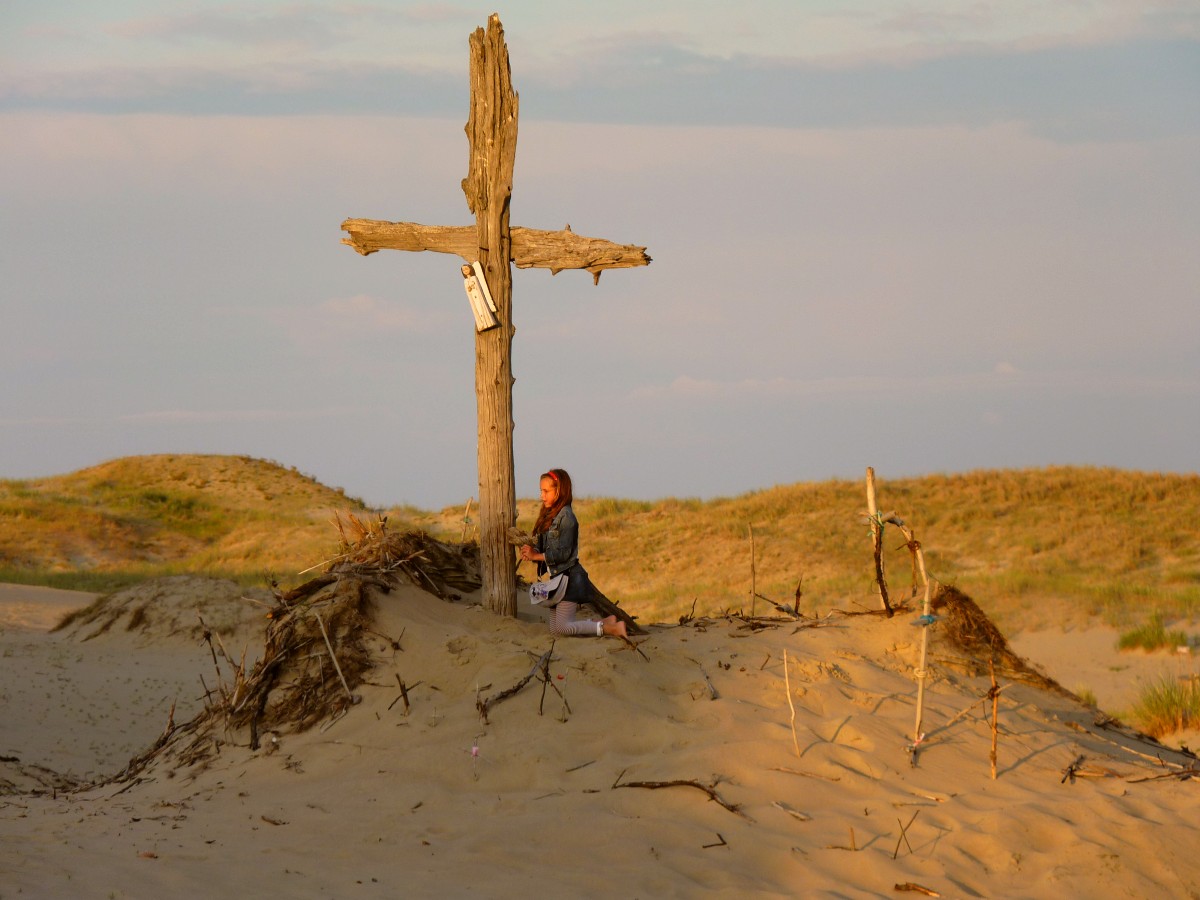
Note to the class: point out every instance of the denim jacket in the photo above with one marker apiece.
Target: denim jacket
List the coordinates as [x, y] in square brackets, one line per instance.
[560, 543]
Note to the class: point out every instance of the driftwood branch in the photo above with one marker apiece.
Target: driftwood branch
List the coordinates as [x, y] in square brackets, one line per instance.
[309, 587]
[994, 695]
[788, 771]
[917, 888]
[544, 673]
[531, 248]
[707, 789]
[791, 811]
[494, 245]
[877, 541]
[1181, 774]
[606, 607]
[484, 705]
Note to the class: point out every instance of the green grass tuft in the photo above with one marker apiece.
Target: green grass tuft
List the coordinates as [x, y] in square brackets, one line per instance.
[1152, 636]
[1169, 705]
[1087, 696]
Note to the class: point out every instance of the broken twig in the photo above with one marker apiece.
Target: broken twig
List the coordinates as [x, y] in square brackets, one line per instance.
[707, 789]
[917, 888]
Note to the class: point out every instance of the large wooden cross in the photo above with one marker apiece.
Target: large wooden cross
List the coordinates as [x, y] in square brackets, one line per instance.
[492, 137]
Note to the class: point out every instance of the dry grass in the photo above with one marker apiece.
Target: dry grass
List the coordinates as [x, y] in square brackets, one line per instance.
[1152, 635]
[130, 519]
[1033, 547]
[1169, 705]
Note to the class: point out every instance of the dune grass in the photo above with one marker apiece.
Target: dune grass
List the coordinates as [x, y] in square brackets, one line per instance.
[1169, 705]
[134, 518]
[1033, 547]
[1152, 636]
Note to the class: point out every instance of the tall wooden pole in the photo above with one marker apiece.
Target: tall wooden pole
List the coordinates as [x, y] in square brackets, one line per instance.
[492, 137]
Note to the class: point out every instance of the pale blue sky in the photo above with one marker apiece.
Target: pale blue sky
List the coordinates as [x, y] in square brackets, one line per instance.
[920, 236]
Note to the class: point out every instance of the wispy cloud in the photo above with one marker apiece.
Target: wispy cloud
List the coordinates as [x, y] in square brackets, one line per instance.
[341, 321]
[291, 28]
[218, 416]
[416, 12]
[184, 417]
[1004, 378]
[1068, 72]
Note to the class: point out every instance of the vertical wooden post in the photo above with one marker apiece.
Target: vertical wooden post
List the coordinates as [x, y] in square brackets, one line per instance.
[753, 574]
[995, 695]
[922, 673]
[492, 136]
[877, 540]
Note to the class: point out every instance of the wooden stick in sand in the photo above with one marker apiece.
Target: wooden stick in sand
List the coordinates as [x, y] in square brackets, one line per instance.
[917, 888]
[922, 672]
[787, 684]
[753, 573]
[877, 541]
[333, 656]
[708, 789]
[712, 691]
[404, 689]
[466, 521]
[904, 834]
[963, 712]
[483, 705]
[994, 693]
[546, 681]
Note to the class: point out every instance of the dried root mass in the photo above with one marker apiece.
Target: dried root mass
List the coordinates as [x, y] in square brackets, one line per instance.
[968, 629]
[317, 648]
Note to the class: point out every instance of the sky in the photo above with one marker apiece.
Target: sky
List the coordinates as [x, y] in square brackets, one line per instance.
[919, 235]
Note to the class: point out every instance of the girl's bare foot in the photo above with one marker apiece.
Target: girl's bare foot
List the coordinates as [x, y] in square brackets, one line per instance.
[614, 627]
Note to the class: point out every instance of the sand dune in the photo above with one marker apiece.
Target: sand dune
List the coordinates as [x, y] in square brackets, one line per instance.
[435, 801]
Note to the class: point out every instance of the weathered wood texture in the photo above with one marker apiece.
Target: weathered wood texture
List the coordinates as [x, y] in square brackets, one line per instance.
[531, 248]
[492, 139]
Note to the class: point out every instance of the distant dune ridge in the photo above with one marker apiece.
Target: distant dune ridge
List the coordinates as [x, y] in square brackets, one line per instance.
[1033, 547]
[149, 515]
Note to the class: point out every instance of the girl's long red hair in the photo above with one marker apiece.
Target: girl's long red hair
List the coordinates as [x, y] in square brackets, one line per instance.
[547, 513]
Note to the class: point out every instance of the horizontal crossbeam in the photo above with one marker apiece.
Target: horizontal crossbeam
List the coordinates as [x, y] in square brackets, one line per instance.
[531, 248]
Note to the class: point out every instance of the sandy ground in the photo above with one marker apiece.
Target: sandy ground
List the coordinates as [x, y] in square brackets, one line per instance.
[37, 608]
[1088, 659]
[436, 802]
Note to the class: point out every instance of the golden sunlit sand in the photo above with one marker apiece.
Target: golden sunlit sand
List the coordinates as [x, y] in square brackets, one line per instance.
[641, 783]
